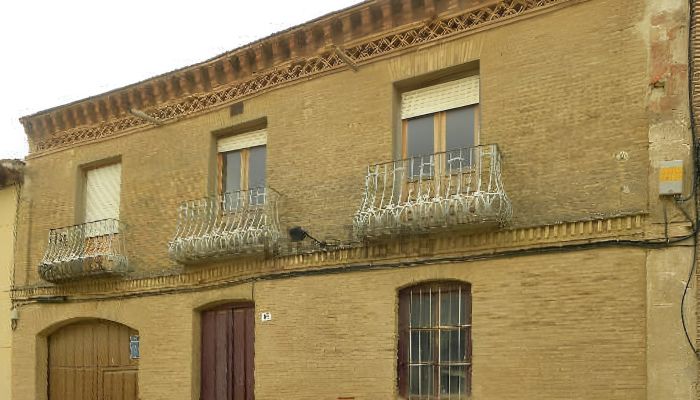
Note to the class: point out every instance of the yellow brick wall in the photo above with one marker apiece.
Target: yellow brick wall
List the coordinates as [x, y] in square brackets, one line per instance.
[8, 205]
[560, 326]
[562, 93]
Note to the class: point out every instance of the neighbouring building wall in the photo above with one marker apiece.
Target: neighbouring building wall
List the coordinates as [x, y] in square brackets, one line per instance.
[545, 327]
[671, 364]
[8, 205]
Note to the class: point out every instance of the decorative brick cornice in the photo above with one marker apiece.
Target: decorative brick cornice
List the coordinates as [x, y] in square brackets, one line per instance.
[627, 227]
[390, 25]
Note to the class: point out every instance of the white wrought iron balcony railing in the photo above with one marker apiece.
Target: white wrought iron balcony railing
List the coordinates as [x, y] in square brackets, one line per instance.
[235, 223]
[92, 249]
[455, 188]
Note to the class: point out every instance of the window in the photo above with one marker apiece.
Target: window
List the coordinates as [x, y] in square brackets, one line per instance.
[102, 195]
[227, 354]
[242, 160]
[434, 353]
[440, 119]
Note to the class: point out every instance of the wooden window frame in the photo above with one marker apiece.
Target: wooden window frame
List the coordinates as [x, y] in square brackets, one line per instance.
[243, 139]
[221, 165]
[439, 146]
[439, 131]
[244, 171]
[405, 329]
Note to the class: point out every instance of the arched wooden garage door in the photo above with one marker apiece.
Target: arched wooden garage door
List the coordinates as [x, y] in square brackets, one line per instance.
[91, 360]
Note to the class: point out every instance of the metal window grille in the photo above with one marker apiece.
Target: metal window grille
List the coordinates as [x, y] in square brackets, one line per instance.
[436, 340]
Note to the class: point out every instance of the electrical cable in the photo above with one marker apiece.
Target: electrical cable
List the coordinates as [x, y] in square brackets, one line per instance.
[685, 291]
[15, 224]
[360, 267]
[551, 249]
[694, 157]
[665, 220]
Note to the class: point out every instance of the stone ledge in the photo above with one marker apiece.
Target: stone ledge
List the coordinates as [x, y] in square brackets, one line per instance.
[627, 227]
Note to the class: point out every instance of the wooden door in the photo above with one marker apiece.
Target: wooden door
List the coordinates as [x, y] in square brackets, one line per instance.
[227, 353]
[90, 360]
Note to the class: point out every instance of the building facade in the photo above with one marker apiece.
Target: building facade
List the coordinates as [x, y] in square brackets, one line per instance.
[11, 172]
[385, 202]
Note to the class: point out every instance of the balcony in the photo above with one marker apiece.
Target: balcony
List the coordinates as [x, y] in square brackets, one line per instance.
[459, 188]
[92, 249]
[217, 227]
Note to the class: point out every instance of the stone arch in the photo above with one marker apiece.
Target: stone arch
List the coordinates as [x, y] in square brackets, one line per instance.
[412, 283]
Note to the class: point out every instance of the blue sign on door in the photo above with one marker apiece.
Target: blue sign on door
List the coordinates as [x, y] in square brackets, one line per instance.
[134, 347]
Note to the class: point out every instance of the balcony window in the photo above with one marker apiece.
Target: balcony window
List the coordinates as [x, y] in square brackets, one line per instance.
[241, 218]
[442, 177]
[102, 197]
[437, 119]
[242, 164]
[95, 247]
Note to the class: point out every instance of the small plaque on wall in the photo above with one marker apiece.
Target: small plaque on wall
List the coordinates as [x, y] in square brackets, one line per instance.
[134, 347]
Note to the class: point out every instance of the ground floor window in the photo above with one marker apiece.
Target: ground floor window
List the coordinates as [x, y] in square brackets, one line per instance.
[434, 353]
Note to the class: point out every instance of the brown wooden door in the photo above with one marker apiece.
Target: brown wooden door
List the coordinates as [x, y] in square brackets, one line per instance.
[90, 360]
[227, 353]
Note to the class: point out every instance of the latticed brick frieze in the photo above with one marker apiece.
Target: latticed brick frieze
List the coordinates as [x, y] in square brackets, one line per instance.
[433, 30]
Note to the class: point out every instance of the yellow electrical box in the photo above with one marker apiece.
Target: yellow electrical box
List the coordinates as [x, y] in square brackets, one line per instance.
[671, 177]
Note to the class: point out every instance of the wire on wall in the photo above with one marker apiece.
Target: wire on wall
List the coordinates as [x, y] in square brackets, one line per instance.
[694, 157]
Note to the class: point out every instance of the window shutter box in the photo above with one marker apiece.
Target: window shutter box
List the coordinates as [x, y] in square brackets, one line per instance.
[242, 141]
[441, 97]
[102, 191]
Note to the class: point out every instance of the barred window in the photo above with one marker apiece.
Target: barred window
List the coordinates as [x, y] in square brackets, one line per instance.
[434, 354]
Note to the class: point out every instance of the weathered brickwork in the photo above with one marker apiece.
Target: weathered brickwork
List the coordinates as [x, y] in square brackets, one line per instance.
[545, 327]
[583, 98]
[695, 99]
[436, 19]
[8, 204]
[351, 114]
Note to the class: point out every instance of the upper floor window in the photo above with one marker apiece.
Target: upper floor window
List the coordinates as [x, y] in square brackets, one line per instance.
[442, 118]
[434, 353]
[102, 198]
[242, 160]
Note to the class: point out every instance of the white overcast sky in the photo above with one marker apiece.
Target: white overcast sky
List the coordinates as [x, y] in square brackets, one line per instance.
[56, 52]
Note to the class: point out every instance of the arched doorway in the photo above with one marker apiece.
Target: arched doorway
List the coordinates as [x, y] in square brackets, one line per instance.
[92, 360]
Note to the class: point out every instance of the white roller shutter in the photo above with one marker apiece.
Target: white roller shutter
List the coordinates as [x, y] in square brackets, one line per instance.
[445, 96]
[242, 141]
[102, 192]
